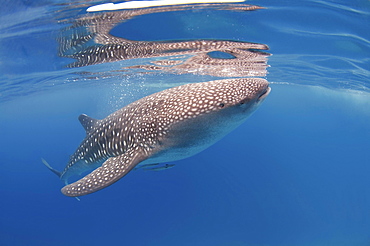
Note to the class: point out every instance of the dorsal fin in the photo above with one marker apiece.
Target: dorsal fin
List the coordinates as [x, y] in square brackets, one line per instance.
[87, 122]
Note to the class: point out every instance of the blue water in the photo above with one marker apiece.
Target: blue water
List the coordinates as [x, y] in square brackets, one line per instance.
[295, 173]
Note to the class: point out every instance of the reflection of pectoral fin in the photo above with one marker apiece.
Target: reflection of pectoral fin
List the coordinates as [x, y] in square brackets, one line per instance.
[110, 172]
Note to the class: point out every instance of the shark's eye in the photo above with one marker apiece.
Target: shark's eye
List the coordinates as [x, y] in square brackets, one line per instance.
[221, 105]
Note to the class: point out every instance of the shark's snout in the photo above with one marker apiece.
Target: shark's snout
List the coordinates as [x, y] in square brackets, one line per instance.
[264, 93]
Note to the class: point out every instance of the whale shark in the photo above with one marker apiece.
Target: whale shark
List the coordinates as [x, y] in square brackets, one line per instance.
[170, 125]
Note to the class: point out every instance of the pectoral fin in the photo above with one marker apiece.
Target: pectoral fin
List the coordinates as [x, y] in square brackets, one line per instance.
[110, 172]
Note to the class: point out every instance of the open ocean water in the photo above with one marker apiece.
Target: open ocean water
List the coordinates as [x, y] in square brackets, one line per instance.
[295, 173]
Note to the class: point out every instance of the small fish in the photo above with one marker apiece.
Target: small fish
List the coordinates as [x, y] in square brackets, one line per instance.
[166, 166]
[145, 166]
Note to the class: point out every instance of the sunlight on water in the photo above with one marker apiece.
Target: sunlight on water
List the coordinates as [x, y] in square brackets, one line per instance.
[145, 4]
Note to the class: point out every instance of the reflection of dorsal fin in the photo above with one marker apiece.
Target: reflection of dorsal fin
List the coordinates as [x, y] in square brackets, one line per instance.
[87, 122]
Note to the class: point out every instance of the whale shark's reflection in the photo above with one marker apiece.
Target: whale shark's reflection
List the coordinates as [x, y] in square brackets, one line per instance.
[88, 41]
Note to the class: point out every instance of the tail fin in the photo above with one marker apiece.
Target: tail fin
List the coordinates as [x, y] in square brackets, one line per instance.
[50, 168]
[56, 172]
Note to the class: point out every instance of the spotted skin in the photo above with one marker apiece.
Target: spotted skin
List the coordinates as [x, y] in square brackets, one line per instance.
[166, 126]
[110, 172]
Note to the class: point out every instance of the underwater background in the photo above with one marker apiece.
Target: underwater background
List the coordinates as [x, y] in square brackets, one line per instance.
[295, 173]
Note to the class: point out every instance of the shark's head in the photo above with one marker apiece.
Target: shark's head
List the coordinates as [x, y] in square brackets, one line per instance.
[241, 94]
[228, 99]
[194, 116]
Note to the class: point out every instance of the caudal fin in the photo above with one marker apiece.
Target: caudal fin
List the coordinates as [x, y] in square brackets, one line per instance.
[55, 171]
[50, 168]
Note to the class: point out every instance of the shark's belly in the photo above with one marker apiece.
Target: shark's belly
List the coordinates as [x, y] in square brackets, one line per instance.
[176, 153]
[191, 138]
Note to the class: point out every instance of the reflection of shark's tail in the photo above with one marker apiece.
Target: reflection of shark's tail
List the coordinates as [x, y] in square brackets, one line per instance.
[50, 168]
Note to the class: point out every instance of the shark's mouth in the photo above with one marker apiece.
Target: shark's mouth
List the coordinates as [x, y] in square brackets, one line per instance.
[264, 94]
